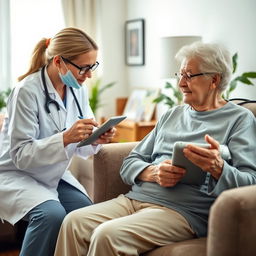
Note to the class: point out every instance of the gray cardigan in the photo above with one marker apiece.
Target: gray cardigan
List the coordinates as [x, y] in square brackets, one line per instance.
[231, 125]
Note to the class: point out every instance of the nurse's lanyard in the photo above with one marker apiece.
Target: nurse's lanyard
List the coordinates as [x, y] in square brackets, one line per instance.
[49, 100]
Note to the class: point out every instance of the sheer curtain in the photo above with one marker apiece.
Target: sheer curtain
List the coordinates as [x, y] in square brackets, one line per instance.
[82, 14]
[5, 41]
[30, 21]
[85, 14]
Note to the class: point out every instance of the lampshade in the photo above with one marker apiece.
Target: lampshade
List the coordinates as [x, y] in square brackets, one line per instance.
[169, 46]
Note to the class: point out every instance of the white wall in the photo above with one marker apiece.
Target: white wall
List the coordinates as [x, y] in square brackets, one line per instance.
[31, 21]
[112, 19]
[5, 56]
[230, 22]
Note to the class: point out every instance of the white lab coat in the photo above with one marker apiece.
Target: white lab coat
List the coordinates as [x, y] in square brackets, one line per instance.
[32, 156]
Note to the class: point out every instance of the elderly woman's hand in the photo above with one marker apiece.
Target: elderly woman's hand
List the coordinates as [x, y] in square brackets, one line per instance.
[165, 174]
[208, 159]
[168, 175]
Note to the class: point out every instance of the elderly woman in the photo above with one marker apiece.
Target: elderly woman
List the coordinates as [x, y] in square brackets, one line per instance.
[160, 208]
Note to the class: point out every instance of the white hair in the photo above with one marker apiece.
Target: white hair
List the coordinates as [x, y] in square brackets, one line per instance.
[213, 58]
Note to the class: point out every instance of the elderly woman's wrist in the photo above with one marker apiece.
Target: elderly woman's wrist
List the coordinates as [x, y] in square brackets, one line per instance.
[148, 174]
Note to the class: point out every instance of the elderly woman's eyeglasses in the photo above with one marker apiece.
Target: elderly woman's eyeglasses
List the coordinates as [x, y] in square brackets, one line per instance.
[82, 70]
[188, 77]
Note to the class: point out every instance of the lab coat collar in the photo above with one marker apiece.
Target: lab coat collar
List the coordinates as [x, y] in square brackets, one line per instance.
[52, 92]
[49, 84]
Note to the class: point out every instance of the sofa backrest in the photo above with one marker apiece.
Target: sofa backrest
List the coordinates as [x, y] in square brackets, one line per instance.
[250, 104]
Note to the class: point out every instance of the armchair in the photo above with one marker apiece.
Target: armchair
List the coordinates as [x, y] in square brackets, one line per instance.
[232, 225]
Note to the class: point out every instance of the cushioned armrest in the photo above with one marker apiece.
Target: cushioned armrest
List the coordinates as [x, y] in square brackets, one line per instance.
[83, 171]
[107, 181]
[232, 223]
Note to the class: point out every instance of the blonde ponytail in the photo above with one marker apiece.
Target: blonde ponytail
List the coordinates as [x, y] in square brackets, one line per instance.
[69, 43]
[38, 58]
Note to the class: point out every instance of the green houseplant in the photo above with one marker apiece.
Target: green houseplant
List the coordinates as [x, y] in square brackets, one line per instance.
[244, 78]
[171, 101]
[3, 98]
[95, 92]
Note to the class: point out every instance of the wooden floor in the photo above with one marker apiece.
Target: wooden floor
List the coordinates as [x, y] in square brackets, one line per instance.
[10, 253]
[9, 249]
[11, 238]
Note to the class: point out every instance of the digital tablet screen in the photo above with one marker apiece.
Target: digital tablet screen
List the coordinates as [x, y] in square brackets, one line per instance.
[100, 130]
[194, 174]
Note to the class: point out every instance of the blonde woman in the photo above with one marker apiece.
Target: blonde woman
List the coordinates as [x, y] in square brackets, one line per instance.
[48, 113]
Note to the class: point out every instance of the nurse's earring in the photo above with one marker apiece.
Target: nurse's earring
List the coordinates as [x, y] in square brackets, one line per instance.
[57, 62]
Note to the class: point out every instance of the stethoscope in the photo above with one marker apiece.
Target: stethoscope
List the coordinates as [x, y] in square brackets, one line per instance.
[49, 100]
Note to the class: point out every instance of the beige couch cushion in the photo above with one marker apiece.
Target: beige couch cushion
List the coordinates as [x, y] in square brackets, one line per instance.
[83, 171]
[194, 247]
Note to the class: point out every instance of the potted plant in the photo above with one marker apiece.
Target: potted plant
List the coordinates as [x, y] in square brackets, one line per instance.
[243, 78]
[171, 101]
[95, 92]
[3, 98]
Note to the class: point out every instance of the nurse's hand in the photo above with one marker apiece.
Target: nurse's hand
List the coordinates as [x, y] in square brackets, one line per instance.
[106, 137]
[80, 130]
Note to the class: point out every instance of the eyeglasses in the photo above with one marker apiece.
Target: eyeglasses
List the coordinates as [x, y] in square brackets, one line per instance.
[82, 70]
[188, 77]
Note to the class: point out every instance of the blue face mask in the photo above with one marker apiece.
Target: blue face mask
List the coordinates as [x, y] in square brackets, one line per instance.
[69, 80]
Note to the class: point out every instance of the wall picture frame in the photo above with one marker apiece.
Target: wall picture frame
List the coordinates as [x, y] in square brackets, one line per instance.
[135, 42]
[134, 107]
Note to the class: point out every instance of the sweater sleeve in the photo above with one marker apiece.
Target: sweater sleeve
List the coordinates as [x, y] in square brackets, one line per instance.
[241, 171]
[141, 156]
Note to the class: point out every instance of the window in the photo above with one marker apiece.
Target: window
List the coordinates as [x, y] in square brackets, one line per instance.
[31, 21]
[4, 44]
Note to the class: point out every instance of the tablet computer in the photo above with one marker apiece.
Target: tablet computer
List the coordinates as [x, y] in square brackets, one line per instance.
[194, 174]
[100, 130]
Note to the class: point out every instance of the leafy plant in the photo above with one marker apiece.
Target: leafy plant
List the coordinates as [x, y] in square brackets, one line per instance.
[243, 78]
[3, 98]
[168, 100]
[95, 92]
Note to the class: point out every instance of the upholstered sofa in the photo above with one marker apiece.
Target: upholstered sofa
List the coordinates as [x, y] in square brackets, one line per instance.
[232, 223]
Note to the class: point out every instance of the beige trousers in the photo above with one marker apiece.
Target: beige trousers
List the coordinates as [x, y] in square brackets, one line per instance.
[120, 226]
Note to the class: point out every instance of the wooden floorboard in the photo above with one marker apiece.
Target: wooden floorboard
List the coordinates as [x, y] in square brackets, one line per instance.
[9, 249]
[10, 253]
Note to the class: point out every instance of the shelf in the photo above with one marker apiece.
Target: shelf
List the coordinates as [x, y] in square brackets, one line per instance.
[129, 130]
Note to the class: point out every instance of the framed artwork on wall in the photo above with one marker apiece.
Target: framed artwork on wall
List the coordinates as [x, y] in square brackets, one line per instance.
[134, 106]
[134, 42]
